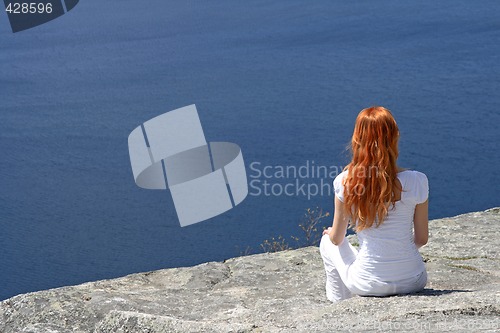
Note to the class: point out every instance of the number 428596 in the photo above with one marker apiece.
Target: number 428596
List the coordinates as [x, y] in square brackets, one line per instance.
[28, 7]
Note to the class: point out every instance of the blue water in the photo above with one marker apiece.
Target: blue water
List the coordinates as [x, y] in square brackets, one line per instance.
[282, 79]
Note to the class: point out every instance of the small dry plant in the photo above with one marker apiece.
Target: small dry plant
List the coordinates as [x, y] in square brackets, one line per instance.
[311, 234]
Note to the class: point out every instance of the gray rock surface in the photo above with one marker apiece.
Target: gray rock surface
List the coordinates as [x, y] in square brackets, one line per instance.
[281, 292]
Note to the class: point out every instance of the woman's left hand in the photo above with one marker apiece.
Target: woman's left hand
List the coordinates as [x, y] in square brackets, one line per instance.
[327, 231]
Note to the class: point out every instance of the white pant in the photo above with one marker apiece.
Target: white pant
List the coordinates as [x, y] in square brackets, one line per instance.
[343, 276]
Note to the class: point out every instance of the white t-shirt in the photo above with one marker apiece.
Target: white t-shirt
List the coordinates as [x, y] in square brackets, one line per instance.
[387, 253]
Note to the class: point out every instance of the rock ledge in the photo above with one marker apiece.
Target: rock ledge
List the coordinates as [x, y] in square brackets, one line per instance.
[280, 292]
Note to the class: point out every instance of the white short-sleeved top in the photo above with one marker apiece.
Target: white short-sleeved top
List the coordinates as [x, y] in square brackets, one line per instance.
[388, 252]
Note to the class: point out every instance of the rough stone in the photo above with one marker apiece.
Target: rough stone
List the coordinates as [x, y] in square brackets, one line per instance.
[280, 292]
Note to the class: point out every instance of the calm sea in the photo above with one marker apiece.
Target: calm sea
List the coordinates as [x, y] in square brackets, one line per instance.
[282, 79]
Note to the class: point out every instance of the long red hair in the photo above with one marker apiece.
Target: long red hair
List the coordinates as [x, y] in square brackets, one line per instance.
[371, 179]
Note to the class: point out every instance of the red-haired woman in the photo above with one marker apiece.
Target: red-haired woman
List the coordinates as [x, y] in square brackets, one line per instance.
[388, 208]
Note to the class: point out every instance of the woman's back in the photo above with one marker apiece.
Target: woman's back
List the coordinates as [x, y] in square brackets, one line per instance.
[387, 252]
[389, 210]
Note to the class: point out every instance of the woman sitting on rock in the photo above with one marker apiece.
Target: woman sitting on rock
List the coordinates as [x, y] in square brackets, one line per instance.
[388, 208]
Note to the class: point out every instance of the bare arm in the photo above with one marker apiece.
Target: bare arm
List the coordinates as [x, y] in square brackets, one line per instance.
[421, 224]
[340, 221]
